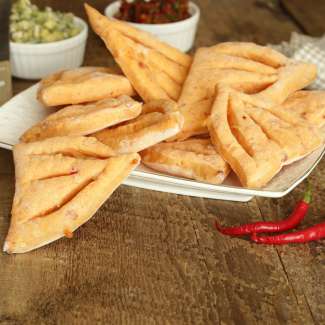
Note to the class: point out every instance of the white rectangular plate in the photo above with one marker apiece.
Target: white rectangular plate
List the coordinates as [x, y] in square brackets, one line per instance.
[23, 111]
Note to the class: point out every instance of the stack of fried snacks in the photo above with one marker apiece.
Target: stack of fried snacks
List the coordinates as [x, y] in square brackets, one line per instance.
[62, 176]
[246, 100]
[60, 183]
[265, 75]
[255, 142]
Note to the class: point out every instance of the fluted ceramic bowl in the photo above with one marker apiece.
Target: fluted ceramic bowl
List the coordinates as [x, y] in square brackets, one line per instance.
[35, 61]
[180, 34]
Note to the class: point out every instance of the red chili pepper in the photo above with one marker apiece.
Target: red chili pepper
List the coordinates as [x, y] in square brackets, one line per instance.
[303, 236]
[272, 226]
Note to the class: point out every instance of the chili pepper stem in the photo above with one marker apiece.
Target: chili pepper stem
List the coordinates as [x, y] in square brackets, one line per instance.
[307, 196]
[217, 225]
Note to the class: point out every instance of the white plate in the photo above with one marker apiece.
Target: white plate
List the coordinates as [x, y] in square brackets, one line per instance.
[23, 111]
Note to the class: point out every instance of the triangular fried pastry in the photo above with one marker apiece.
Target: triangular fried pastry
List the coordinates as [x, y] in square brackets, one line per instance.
[210, 68]
[155, 69]
[69, 146]
[82, 85]
[296, 140]
[241, 142]
[84, 119]
[141, 133]
[60, 188]
[303, 107]
[292, 75]
[194, 158]
[262, 74]
[140, 36]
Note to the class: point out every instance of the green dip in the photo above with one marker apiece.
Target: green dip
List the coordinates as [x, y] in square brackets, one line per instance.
[29, 24]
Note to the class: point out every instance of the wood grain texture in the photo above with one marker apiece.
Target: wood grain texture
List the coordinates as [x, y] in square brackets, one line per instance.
[304, 264]
[309, 15]
[154, 258]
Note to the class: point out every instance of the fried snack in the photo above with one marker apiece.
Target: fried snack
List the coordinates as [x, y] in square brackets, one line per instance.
[82, 85]
[195, 119]
[291, 77]
[303, 107]
[194, 158]
[296, 139]
[60, 184]
[84, 119]
[254, 141]
[159, 105]
[141, 133]
[241, 142]
[262, 74]
[155, 69]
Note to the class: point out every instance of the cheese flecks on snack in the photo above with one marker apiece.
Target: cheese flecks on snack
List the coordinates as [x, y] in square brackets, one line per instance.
[84, 119]
[193, 158]
[266, 76]
[296, 139]
[304, 107]
[82, 85]
[60, 184]
[255, 142]
[252, 156]
[141, 133]
[155, 69]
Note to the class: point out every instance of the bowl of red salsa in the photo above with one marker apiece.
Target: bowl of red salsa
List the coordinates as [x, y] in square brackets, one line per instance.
[172, 21]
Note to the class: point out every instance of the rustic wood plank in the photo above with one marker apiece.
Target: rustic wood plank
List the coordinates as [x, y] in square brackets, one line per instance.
[304, 264]
[130, 265]
[249, 20]
[148, 257]
[251, 284]
[309, 15]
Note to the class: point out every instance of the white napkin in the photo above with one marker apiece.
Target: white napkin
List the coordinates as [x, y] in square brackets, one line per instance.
[308, 49]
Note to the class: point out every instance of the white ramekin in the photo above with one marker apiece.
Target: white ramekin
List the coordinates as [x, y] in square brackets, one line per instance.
[180, 34]
[35, 61]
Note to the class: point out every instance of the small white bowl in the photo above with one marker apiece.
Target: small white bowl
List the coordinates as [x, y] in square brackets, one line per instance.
[180, 34]
[36, 61]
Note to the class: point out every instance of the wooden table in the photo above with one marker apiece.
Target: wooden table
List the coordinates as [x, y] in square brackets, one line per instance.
[154, 258]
